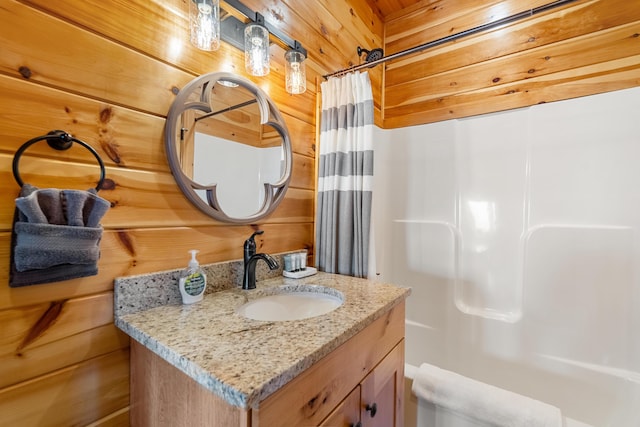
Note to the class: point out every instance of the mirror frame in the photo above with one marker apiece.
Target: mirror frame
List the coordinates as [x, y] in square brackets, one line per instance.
[269, 115]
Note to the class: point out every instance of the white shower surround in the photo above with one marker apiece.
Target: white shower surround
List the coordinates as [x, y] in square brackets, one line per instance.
[518, 232]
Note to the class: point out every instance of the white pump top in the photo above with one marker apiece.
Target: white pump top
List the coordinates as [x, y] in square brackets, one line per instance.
[193, 262]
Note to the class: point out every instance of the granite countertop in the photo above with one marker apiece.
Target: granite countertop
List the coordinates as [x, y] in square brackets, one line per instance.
[243, 360]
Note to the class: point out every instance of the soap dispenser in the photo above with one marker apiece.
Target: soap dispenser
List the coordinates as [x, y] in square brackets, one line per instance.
[192, 281]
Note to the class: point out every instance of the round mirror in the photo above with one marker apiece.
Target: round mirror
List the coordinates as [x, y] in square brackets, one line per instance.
[228, 148]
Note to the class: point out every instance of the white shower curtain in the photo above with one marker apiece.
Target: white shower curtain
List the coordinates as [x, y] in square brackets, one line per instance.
[345, 176]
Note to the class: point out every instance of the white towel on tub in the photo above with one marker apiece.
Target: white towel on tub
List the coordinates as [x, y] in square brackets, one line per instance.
[481, 401]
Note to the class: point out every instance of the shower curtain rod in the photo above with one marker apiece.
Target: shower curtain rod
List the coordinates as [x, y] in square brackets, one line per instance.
[452, 37]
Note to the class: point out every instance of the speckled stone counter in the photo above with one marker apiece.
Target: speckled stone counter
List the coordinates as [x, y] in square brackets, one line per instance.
[145, 291]
[243, 360]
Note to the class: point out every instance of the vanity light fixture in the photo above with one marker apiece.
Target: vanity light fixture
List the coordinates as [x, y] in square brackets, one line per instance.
[253, 36]
[256, 47]
[204, 20]
[295, 72]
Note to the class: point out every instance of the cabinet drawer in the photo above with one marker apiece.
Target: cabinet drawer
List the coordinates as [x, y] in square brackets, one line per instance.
[347, 414]
[309, 398]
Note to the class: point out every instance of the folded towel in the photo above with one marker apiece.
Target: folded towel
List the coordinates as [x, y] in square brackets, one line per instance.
[76, 208]
[482, 402]
[45, 245]
[57, 273]
[56, 235]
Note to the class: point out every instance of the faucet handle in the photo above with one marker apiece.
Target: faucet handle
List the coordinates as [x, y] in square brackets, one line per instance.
[250, 246]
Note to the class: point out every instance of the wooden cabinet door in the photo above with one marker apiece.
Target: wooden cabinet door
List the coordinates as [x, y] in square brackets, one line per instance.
[312, 396]
[347, 414]
[383, 392]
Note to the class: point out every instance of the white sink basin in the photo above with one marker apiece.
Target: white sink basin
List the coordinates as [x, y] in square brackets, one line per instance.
[293, 304]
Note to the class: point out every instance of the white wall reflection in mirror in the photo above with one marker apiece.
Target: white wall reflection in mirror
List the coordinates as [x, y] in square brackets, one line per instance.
[240, 184]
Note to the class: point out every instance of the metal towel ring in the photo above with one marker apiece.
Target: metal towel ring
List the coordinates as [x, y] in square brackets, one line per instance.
[58, 140]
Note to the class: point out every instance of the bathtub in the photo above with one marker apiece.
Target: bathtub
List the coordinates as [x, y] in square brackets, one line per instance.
[519, 234]
[587, 395]
[576, 349]
[421, 413]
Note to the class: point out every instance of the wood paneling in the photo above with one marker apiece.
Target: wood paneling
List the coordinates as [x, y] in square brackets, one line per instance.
[602, 47]
[587, 47]
[386, 8]
[615, 75]
[107, 72]
[41, 324]
[445, 17]
[533, 33]
[37, 360]
[55, 53]
[73, 396]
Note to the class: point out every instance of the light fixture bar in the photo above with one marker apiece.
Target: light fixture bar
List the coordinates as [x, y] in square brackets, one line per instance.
[258, 18]
[232, 31]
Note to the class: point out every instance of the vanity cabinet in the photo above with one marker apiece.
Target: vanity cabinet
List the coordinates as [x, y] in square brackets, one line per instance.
[341, 389]
[375, 402]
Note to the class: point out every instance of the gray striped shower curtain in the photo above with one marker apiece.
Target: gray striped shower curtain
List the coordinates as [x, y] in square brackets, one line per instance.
[345, 176]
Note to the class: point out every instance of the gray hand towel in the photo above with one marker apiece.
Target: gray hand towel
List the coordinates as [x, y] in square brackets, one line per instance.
[45, 245]
[55, 228]
[76, 208]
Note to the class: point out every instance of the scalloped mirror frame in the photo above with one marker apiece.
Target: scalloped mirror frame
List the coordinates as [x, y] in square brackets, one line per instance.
[270, 115]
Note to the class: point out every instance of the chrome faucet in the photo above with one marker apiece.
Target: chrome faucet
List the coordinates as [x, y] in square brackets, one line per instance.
[251, 258]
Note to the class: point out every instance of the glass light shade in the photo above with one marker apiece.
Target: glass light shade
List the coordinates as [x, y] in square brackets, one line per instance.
[295, 72]
[204, 18]
[256, 50]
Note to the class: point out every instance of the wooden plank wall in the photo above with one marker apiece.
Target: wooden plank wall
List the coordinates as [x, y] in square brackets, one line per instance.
[586, 47]
[107, 72]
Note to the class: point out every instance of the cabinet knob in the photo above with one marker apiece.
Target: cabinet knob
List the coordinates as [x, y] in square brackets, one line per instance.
[372, 409]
